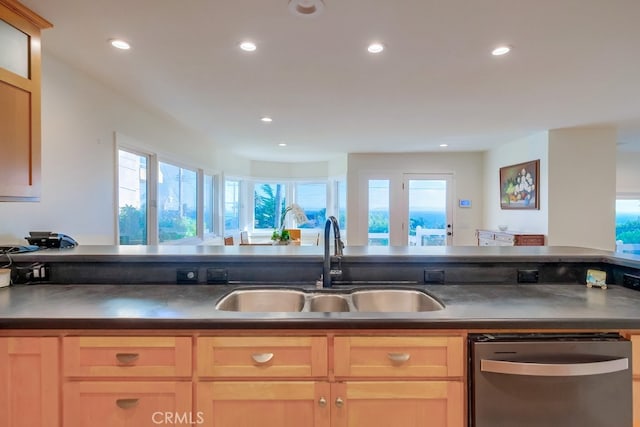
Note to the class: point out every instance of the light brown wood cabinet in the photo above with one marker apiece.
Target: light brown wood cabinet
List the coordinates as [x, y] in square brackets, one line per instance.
[29, 382]
[20, 80]
[118, 381]
[635, 369]
[508, 238]
[267, 378]
[399, 380]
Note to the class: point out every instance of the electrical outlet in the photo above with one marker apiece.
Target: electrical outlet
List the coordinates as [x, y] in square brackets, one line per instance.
[528, 276]
[37, 272]
[433, 276]
[217, 275]
[631, 281]
[187, 275]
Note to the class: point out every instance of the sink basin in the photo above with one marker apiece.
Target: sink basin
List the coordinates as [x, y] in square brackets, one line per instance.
[294, 300]
[263, 300]
[329, 303]
[394, 300]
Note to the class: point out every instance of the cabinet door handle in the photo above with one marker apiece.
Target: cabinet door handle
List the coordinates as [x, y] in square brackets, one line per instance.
[322, 402]
[127, 358]
[398, 357]
[339, 402]
[126, 403]
[262, 358]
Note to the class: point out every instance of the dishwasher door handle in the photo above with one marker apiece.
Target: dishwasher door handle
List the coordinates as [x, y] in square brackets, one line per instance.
[554, 369]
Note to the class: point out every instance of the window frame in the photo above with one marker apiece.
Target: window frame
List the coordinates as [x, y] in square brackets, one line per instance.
[153, 168]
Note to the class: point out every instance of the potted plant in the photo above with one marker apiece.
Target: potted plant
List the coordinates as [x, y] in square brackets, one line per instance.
[280, 236]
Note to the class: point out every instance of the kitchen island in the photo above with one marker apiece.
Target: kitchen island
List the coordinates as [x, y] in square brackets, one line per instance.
[128, 333]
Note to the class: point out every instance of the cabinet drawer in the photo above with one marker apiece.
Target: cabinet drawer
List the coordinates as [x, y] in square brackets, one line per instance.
[262, 357]
[130, 403]
[487, 235]
[531, 240]
[399, 356]
[505, 238]
[110, 357]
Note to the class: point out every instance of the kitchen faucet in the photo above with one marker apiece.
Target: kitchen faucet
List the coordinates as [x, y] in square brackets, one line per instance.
[327, 272]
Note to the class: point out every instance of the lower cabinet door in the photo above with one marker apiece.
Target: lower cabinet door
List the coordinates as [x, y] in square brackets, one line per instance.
[264, 404]
[130, 404]
[398, 403]
[29, 384]
[636, 402]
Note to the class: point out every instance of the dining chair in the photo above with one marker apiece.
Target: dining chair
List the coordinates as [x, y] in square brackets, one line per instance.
[294, 233]
[244, 237]
[228, 240]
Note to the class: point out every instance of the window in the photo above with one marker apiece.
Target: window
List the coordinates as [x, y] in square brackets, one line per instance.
[341, 203]
[378, 212]
[312, 198]
[628, 225]
[132, 198]
[177, 202]
[231, 205]
[269, 201]
[208, 204]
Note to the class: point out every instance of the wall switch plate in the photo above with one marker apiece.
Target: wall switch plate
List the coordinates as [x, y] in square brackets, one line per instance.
[434, 276]
[528, 276]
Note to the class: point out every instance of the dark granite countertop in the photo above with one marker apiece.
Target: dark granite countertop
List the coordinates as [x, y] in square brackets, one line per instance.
[552, 306]
[452, 254]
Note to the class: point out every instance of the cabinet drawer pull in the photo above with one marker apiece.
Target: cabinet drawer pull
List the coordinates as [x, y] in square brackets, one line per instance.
[262, 358]
[339, 402]
[127, 403]
[322, 402]
[398, 357]
[127, 358]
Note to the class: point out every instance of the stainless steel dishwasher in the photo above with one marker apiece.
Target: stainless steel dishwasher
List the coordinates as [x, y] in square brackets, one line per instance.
[549, 380]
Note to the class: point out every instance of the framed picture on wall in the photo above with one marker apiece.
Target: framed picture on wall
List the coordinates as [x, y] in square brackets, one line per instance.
[519, 186]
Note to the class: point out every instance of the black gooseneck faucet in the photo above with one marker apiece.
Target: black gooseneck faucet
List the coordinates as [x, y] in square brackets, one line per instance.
[327, 273]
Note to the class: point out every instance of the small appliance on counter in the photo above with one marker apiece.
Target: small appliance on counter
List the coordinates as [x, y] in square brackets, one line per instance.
[47, 239]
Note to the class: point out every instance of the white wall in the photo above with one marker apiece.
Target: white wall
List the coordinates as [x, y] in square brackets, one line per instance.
[582, 167]
[519, 151]
[465, 167]
[79, 118]
[628, 174]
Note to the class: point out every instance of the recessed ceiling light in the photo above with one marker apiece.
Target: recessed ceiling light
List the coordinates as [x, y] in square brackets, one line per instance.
[375, 48]
[282, 144]
[444, 145]
[120, 44]
[266, 119]
[248, 46]
[500, 50]
[306, 8]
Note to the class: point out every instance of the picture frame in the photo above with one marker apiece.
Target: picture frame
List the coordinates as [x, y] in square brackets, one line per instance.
[520, 186]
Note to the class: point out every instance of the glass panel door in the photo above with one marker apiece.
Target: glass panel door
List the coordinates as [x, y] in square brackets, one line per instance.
[429, 210]
[378, 231]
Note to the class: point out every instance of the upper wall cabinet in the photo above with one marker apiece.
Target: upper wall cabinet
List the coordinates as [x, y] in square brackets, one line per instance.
[20, 102]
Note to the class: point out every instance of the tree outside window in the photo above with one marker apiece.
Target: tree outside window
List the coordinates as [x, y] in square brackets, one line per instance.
[269, 204]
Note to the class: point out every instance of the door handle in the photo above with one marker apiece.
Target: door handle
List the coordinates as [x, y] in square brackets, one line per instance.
[554, 369]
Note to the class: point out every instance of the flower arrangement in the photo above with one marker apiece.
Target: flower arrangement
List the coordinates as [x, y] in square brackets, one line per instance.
[280, 235]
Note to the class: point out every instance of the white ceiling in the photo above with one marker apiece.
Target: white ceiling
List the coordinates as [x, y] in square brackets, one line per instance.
[573, 63]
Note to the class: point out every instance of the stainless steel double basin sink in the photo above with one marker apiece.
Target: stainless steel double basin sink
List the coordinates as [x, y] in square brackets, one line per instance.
[296, 300]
